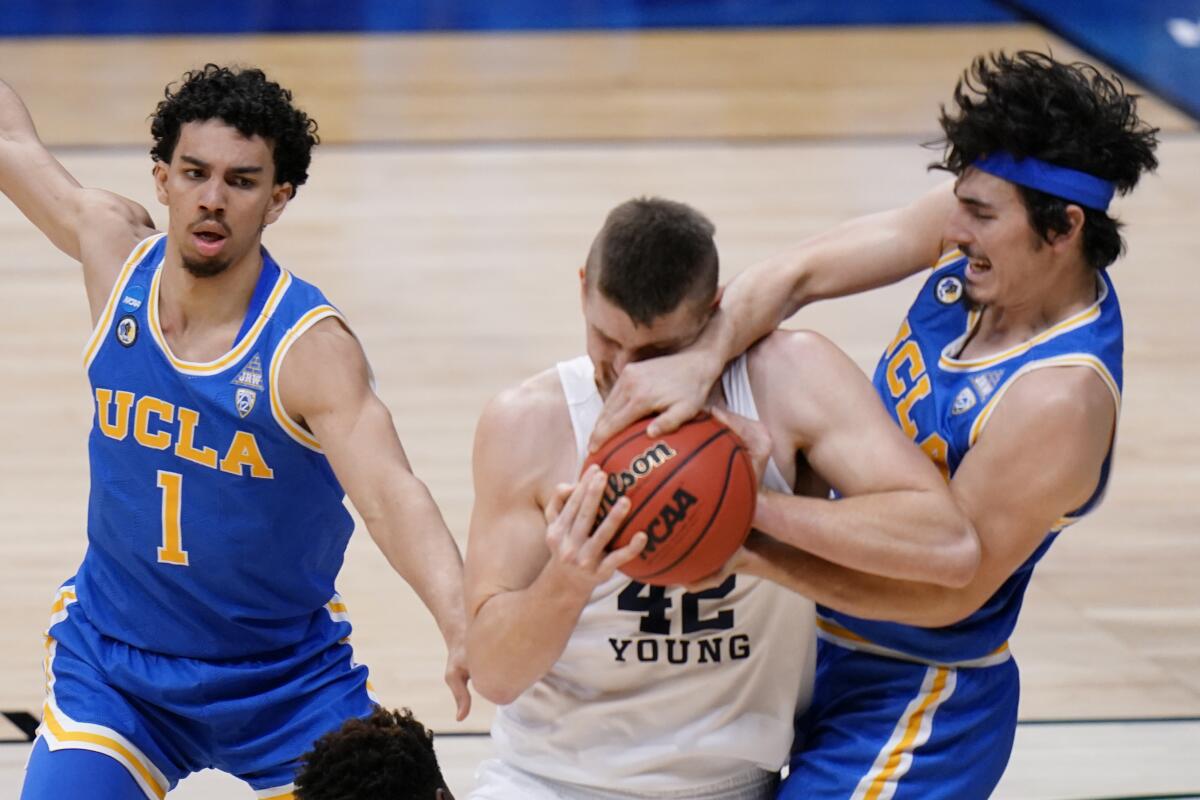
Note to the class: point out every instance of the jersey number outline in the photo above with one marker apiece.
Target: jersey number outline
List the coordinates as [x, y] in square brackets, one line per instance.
[656, 604]
[171, 552]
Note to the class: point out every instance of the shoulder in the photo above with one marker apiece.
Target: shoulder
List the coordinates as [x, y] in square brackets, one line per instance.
[324, 368]
[798, 358]
[525, 433]
[327, 344]
[1058, 398]
[528, 406]
[792, 346]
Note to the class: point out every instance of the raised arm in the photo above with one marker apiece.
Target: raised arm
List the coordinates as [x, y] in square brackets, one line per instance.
[1039, 457]
[861, 254]
[324, 385]
[532, 560]
[895, 516]
[92, 226]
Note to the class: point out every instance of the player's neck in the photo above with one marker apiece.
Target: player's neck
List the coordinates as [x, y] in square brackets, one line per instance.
[1002, 326]
[205, 313]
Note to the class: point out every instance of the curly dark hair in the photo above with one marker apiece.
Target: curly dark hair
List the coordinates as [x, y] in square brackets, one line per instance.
[1071, 115]
[386, 756]
[651, 255]
[244, 99]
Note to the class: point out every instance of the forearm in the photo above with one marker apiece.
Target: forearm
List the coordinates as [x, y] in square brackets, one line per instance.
[412, 535]
[910, 535]
[515, 637]
[15, 122]
[858, 255]
[857, 593]
[33, 179]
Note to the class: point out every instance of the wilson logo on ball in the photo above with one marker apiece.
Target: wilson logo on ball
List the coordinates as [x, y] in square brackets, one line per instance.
[621, 483]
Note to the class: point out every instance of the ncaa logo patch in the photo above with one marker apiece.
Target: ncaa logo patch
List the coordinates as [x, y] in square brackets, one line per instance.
[949, 290]
[243, 401]
[964, 402]
[134, 297]
[127, 330]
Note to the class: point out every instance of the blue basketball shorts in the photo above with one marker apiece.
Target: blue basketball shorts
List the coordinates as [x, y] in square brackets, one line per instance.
[882, 728]
[164, 717]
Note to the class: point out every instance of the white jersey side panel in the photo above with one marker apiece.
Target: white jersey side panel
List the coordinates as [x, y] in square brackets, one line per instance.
[660, 690]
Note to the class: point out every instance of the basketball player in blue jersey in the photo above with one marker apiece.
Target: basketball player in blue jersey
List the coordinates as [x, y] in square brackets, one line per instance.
[1006, 372]
[610, 688]
[232, 407]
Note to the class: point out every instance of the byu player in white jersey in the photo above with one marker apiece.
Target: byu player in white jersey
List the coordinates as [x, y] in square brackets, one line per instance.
[610, 688]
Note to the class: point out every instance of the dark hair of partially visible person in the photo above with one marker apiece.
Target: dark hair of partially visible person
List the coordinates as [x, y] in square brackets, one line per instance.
[1069, 115]
[651, 255]
[386, 756]
[244, 99]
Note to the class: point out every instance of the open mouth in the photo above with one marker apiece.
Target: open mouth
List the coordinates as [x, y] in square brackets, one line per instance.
[208, 242]
[976, 267]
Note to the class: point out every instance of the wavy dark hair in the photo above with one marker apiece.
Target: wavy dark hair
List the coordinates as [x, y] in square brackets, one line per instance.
[244, 99]
[1071, 115]
[386, 756]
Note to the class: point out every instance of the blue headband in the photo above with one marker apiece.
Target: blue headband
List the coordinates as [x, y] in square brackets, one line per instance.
[1068, 184]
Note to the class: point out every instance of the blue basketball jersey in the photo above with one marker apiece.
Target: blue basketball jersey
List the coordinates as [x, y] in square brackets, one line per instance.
[943, 403]
[215, 524]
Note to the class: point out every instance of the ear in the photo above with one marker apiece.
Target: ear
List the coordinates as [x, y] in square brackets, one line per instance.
[716, 301]
[159, 171]
[1066, 239]
[280, 195]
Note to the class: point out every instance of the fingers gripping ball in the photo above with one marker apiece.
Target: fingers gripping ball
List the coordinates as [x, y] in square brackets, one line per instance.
[691, 491]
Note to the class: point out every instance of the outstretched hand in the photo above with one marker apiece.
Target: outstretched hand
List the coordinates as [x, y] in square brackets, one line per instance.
[675, 387]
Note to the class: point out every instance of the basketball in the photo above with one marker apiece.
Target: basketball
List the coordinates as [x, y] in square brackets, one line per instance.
[692, 492]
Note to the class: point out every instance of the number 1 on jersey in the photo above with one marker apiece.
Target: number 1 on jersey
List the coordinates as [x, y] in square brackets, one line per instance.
[172, 551]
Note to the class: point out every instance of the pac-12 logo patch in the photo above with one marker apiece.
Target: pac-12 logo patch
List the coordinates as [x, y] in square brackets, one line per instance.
[127, 330]
[964, 402]
[243, 400]
[949, 289]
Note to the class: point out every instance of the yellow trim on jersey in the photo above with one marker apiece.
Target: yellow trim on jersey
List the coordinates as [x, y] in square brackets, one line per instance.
[239, 349]
[832, 632]
[1087, 315]
[947, 257]
[1065, 360]
[288, 424]
[912, 730]
[71, 734]
[106, 316]
[277, 793]
[130, 757]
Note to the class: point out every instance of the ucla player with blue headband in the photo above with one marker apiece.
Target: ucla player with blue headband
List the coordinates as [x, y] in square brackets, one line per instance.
[1006, 372]
[233, 411]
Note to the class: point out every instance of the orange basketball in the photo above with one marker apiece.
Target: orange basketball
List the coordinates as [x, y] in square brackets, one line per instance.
[692, 492]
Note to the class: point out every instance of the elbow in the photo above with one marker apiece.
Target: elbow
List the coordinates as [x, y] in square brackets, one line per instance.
[489, 680]
[494, 690]
[955, 560]
[962, 556]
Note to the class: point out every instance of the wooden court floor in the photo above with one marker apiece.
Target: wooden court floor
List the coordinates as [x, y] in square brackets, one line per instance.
[459, 187]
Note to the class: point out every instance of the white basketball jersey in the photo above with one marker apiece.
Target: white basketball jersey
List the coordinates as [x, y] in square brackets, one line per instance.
[658, 689]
